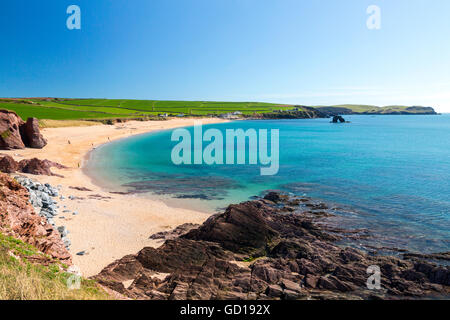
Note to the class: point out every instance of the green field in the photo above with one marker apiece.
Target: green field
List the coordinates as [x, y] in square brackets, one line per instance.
[99, 109]
[104, 109]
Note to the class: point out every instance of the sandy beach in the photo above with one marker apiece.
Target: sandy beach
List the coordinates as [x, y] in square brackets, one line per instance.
[108, 226]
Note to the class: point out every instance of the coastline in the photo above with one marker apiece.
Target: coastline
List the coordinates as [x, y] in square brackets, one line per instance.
[107, 226]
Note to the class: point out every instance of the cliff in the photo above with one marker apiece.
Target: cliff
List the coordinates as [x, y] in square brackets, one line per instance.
[372, 110]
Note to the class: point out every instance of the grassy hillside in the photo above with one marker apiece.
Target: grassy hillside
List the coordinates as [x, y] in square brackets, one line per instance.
[368, 109]
[98, 109]
[103, 109]
[155, 107]
[22, 277]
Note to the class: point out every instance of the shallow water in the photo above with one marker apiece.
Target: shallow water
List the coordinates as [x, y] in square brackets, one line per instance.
[392, 171]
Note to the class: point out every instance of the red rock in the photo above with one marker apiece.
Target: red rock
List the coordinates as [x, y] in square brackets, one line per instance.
[18, 219]
[8, 165]
[31, 134]
[290, 285]
[311, 281]
[10, 137]
[274, 291]
[35, 166]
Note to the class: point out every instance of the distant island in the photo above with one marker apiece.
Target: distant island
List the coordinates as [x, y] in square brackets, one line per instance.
[112, 110]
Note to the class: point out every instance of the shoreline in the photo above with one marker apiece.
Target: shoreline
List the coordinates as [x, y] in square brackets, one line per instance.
[106, 226]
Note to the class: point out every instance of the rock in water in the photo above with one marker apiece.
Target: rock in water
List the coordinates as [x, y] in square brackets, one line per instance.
[10, 137]
[298, 259]
[31, 135]
[338, 119]
[8, 165]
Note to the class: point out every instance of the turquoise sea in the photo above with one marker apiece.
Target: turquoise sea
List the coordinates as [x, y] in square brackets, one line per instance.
[390, 174]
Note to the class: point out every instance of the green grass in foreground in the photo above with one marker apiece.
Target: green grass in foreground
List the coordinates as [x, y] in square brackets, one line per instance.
[21, 279]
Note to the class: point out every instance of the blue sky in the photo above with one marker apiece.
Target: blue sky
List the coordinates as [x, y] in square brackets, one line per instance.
[289, 51]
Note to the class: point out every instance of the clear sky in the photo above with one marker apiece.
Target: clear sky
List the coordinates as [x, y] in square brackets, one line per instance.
[315, 52]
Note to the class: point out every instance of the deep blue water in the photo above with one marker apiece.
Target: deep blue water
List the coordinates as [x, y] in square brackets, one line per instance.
[393, 172]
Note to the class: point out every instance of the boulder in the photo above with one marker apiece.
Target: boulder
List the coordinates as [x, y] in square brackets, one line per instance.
[242, 228]
[17, 134]
[31, 136]
[35, 166]
[10, 137]
[8, 165]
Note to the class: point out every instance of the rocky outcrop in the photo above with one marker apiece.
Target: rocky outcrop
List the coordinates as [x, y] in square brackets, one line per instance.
[338, 119]
[16, 134]
[255, 250]
[35, 166]
[42, 199]
[8, 165]
[299, 112]
[31, 135]
[10, 137]
[175, 233]
[18, 219]
[31, 166]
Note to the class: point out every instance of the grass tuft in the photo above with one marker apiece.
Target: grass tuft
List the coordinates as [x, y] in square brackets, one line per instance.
[22, 280]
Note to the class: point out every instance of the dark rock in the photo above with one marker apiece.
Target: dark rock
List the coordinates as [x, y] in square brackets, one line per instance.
[274, 291]
[338, 119]
[242, 228]
[175, 233]
[80, 188]
[297, 259]
[38, 167]
[273, 196]
[311, 281]
[35, 166]
[265, 272]
[8, 165]
[290, 285]
[31, 134]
